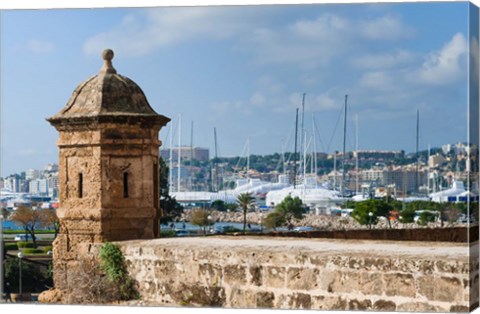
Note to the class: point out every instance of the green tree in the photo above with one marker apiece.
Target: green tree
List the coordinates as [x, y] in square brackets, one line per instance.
[426, 217]
[286, 211]
[218, 205]
[199, 218]
[378, 208]
[170, 208]
[31, 276]
[231, 206]
[274, 220]
[29, 219]
[407, 215]
[245, 200]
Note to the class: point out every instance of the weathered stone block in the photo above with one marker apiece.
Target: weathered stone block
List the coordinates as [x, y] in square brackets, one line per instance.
[300, 301]
[235, 274]
[459, 309]
[198, 295]
[281, 302]
[264, 299]
[256, 277]
[399, 284]
[275, 277]
[419, 307]
[334, 281]
[448, 289]
[371, 283]
[302, 278]
[320, 302]
[240, 298]
[210, 274]
[359, 305]
[164, 269]
[413, 266]
[338, 261]
[376, 263]
[384, 305]
[441, 288]
[318, 260]
[452, 267]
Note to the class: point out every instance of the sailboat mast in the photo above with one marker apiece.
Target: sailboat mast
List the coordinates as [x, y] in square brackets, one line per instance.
[170, 161]
[335, 171]
[315, 149]
[248, 155]
[215, 179]
[179, 151]
[295, 153]
[302, 164]
[428, 171]
[344, 143]
[418, 157]
[304, 158]
[191, 157]
[191, 143]
[356, 154]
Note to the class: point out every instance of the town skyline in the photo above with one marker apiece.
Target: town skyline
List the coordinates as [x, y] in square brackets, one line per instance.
[244, 72]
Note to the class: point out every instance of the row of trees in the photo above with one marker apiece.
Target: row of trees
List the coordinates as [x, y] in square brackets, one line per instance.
[283, 215]
[405, 213]
[31, 219]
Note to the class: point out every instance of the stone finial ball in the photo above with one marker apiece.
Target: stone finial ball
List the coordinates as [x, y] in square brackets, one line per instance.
[107, 54]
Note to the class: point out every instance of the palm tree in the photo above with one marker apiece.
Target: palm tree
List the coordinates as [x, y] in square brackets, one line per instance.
[245, 200]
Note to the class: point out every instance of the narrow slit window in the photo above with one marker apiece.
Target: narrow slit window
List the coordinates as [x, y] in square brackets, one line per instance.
[125, 184]
[80, 185]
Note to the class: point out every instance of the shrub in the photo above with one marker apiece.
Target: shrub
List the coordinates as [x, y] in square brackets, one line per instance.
[32, 251]
[113, 264]
[425, 218]
[47, 248]
[167, 233]
[10, 247]
[230, 229]
[91, 285]
[23, 245]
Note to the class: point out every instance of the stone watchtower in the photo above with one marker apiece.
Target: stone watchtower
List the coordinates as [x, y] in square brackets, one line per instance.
[108, 166]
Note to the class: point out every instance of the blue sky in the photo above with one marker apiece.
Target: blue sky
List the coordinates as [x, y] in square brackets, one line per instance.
[243, 70]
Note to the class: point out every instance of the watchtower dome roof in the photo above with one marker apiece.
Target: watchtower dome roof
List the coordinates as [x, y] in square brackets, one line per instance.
[108, 95]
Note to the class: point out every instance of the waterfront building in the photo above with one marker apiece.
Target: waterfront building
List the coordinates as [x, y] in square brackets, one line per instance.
[378, 154]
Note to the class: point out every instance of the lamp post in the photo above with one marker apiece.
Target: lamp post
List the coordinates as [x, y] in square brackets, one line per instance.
[401, 220]
[1, 258]
[261, 222]
[370, 214]
[20, 256]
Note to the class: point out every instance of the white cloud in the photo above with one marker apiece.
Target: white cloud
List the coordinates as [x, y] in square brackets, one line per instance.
[40, 46]
[230, 107]
[154, 28]
[384, 61]
[258, 99]
[305, 43]
[385, 28]
[377, 80]
[445, 66]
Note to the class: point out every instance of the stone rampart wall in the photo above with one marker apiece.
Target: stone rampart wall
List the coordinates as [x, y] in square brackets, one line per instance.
[304, 274]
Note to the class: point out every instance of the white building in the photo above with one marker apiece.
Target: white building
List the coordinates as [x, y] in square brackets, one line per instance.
[32, 174]
[38, 187]
[457, 190]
